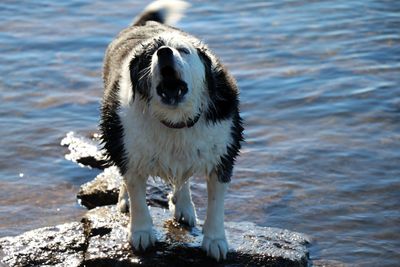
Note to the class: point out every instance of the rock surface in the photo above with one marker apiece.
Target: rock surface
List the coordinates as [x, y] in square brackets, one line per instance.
[101, 239]
[180, 246]
[102, 190]
[85, 151]
[61, 245]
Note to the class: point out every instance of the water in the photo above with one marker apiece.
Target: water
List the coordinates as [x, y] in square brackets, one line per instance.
[320, 96]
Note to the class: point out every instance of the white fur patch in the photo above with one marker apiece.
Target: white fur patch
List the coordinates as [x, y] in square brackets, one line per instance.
[191, 70]
[172, 154]
[214, 241]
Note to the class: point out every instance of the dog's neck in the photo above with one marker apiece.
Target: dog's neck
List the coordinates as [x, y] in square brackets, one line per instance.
[184, 124]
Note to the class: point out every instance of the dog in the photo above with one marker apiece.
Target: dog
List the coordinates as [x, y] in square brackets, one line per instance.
[170, 109]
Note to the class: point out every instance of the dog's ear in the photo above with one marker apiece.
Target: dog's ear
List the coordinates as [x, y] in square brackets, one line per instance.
[221, 87]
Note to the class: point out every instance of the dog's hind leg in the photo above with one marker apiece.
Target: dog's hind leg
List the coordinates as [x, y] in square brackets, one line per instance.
[181, 204]
[123, 199]
[141, 233]
[214, 240]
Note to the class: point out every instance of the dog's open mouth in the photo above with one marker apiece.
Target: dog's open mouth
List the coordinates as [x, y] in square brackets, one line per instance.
[172, 92]
[168, 72]
[171, 89]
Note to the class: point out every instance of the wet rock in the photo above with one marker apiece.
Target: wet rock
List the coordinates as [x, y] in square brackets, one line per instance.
[101, 191]
[104, 190]
[62, 245]
[85, 151]
[179, 246]
[101, 239]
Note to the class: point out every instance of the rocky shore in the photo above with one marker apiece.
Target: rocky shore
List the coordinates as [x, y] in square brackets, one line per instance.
[101, 238]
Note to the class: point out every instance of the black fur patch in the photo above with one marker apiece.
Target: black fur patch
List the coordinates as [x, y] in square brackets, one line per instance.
[222, 90]
[139, 68]
[225, 167]
[112, 130]
[223, 93]
[148, 16]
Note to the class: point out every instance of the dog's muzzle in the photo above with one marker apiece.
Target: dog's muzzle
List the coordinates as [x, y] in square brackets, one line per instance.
[171, 89]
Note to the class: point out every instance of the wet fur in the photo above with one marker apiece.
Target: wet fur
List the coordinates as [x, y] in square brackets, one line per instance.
[141, 146]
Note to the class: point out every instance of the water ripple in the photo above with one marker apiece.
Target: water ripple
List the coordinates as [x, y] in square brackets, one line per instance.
[320, 96]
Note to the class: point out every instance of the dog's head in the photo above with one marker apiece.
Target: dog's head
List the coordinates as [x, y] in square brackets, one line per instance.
[170, 74]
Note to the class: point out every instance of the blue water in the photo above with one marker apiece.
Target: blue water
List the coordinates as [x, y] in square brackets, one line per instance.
[320, 96]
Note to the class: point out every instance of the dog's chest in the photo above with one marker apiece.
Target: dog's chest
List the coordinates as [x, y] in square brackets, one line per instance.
[155, 150]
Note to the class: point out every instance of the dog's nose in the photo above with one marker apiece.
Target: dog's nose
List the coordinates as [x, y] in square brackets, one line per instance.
[164, 51]
[165, 57]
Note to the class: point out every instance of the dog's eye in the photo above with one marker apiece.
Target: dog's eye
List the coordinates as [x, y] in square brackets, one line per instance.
[183, 50]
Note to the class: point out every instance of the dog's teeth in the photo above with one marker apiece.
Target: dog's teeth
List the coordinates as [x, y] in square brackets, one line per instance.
[179, 92]
[163, 95]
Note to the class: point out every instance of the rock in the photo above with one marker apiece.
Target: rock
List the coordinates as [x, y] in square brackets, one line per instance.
[101, 239]
[104, 190]
[62, 245]
[85, 151]
[179, 246]
[101, 191]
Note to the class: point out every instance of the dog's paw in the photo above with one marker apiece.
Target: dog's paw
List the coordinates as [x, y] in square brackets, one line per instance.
[215, 248]
[141, 240]
[185, 213]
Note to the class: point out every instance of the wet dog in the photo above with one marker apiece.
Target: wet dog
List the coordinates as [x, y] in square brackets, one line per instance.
[170, 109]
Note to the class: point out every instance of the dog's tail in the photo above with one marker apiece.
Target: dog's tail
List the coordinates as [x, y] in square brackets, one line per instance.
[163, 11]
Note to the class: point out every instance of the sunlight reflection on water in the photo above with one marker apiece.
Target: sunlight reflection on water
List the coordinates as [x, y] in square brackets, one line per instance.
[319, 89]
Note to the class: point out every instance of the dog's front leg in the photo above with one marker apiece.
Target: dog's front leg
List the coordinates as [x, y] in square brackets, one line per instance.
[214, 240]
[141, 233]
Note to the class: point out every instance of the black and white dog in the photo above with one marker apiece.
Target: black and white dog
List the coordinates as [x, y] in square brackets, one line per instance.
[170, 109]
